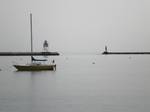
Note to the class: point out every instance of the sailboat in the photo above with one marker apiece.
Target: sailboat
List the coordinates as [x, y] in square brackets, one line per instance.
[34, 66]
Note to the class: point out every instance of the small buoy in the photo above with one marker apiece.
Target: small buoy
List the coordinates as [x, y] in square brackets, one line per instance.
[93, 63]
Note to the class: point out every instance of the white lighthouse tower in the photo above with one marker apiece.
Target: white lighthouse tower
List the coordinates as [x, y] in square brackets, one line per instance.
[45, 46]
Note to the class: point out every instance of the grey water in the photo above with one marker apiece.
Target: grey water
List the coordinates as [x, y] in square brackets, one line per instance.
[81, 83]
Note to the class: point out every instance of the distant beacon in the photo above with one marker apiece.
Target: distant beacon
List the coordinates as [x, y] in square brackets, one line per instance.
[45, 46]
[105, 48]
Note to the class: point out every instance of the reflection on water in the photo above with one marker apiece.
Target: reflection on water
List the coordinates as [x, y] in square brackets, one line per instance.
[80, 84]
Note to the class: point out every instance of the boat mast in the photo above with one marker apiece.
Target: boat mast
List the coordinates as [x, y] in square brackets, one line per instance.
[31, 35]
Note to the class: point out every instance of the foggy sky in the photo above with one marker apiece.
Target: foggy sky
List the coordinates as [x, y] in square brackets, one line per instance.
[76, 25]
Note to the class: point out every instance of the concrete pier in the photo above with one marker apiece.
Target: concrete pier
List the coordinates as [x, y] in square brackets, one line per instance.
[125, 53]
[29, 53]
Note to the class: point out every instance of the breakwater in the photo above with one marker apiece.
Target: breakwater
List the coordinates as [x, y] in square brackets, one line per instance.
[125, 53]
[29, 54]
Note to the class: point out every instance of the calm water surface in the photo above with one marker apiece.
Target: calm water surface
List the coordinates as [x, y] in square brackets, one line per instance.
[87, 83]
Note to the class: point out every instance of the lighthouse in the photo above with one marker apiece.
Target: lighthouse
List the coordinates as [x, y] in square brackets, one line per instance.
[45, 46]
